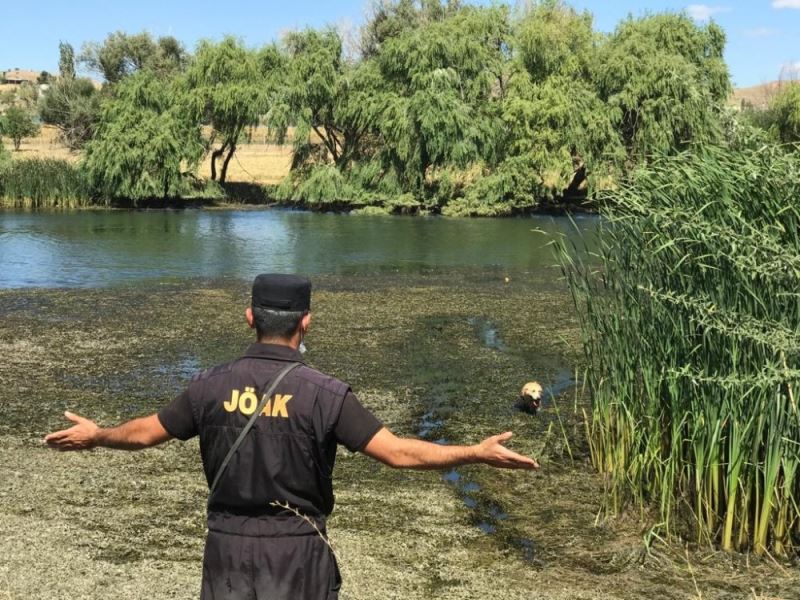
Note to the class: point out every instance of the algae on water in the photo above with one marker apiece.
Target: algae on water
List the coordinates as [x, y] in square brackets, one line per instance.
[131, 525]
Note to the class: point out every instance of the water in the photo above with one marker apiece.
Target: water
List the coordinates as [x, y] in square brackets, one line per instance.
[487, 513]
[96, 249]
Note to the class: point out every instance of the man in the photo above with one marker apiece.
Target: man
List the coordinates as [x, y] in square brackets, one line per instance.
[271, 487]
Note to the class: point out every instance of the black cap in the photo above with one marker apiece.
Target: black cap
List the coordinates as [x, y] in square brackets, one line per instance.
[282, 292]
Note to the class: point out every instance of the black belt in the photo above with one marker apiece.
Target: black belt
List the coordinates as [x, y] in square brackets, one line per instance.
[265, 525]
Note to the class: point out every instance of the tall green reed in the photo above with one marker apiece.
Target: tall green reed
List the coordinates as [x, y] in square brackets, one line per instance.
[43, 183]
[690, 313]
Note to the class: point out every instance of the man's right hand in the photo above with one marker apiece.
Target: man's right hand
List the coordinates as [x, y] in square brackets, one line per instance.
[81, 436]
[404, 453]
[491, 451]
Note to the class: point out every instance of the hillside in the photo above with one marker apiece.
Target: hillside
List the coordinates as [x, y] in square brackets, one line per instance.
[757, 95]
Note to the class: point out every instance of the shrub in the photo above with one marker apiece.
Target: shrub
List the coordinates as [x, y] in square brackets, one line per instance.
[18, 124]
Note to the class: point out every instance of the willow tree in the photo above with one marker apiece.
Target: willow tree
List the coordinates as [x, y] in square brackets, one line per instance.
[122, 54]
[229, 85]
[666, 79]
[145, 139]
[440, 108]
[330, 101]
[554, 123]
[388, 19]
[551, 38]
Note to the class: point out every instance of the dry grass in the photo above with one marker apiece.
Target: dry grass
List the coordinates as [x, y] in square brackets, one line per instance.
[257, 161]
[45, 145]
[758, 96]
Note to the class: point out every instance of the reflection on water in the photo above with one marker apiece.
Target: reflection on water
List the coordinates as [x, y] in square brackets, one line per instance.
[90, 249]
[487, 332]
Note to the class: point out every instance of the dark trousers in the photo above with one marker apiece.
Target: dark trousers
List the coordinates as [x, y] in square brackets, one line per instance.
[244, 564]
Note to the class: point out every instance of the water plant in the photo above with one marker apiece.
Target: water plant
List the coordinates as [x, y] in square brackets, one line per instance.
[690, 327]
[43, 183]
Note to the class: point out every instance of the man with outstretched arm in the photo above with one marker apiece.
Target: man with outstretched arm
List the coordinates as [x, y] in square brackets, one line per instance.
[269, 426]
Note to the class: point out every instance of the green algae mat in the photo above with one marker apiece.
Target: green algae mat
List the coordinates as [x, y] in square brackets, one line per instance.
[439, 356]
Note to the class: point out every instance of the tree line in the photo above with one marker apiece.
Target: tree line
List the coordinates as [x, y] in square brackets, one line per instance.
[434, 106]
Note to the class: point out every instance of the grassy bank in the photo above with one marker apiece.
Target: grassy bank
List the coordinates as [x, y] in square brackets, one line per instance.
[47, 183]
[690, 331]
[79, 525]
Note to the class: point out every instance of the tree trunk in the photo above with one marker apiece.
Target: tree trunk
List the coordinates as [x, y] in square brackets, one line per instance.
[166, 187]
[329, 141]
[17, 142]
[224, 173]
[215, 154]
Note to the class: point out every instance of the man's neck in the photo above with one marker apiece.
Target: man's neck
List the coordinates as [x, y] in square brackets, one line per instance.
[293, 342]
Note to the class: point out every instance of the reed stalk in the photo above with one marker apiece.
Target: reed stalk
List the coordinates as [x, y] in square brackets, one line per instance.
[690, 315]
[43, 183]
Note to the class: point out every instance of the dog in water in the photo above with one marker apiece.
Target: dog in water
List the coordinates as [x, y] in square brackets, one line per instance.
[530, 398]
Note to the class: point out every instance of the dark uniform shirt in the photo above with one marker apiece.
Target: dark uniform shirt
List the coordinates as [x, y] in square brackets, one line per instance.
[289, 455]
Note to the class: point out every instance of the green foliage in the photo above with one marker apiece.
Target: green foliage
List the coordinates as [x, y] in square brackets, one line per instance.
[439, 107]
[72, 105]
[389, 19]
[66, 60]
[326, 186]
[665, 78]
[450, 107]
[42, 183]
[785, 113]
[328, 99]
[535, 107]
[559, 123]
[320, 185]
[511, 187]
[5, 158]
[778, 122]
[690, 330]
[122, 54]
[229, 89]
[144, 140]
[746, 129]
[558, 130]
[553, 39]
[18, 124]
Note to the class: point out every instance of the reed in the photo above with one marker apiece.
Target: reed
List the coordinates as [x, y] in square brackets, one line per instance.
[690, 313]
[43, 183]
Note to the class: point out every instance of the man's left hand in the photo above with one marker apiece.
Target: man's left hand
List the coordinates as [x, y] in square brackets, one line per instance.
[80, 436]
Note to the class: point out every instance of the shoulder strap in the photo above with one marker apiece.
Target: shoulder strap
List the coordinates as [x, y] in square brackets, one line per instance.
[243, 434]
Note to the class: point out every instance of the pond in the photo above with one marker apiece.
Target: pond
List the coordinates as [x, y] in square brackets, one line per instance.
[96, 249]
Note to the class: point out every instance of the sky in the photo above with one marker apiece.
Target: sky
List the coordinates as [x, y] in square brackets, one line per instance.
[763, 35]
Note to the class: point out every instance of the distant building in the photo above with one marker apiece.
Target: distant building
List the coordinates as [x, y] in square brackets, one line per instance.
[20, 76]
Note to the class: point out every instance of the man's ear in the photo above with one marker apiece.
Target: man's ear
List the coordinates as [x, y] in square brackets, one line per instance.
[305, 323]
[248, 314]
